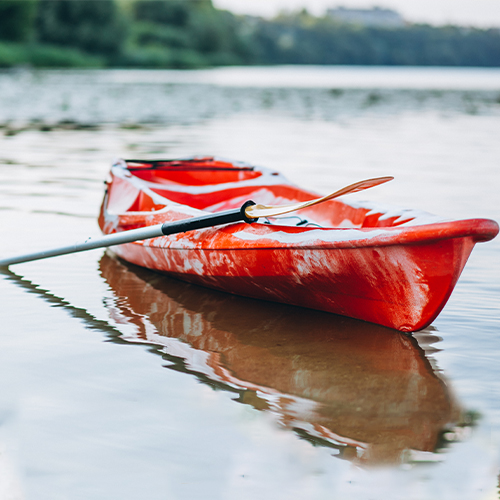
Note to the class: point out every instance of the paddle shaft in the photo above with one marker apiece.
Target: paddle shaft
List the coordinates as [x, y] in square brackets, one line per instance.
[143, 233]
[209, 220]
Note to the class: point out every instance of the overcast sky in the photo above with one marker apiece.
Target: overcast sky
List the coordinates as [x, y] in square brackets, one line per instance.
[481, 13]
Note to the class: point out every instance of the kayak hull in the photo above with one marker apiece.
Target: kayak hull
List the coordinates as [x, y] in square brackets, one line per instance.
[396, 276]
[334, 280]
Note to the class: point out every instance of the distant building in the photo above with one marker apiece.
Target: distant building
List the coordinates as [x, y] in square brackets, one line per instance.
[384, 18]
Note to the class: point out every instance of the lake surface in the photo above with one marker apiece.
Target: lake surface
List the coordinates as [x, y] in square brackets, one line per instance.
[118, 383]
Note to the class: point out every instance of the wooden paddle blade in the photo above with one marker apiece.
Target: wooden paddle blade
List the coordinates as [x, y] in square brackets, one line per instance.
[256, 211]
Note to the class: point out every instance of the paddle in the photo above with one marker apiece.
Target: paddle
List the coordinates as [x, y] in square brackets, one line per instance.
[272, 211]
[249, 212]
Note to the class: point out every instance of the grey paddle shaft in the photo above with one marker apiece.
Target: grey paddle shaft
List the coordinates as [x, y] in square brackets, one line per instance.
[143, 233]
[193, 223]
[109, 240]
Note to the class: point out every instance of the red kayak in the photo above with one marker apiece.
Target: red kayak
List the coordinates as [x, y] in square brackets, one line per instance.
[390, 266]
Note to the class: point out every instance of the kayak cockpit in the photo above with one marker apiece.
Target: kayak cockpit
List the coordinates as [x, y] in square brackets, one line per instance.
[213, 185]
[193, 171]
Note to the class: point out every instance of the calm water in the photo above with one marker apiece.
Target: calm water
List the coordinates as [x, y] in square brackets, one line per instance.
[115, 383]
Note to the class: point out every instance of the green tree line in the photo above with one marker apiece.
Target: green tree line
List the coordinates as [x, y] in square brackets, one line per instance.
[191, 34]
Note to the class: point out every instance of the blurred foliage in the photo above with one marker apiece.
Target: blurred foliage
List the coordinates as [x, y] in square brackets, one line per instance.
[46, 56]
[94, 26]
[191, 34]
[173, 12]
[302, 39]
[17, 19]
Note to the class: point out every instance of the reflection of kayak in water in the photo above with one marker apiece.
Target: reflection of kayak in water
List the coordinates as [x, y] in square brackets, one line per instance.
[355, 386]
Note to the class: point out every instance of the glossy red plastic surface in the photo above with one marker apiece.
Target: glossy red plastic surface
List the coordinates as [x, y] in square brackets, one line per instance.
[388, 266]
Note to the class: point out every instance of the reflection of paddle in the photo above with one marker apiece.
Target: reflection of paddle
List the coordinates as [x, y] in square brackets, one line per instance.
[249, 212]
